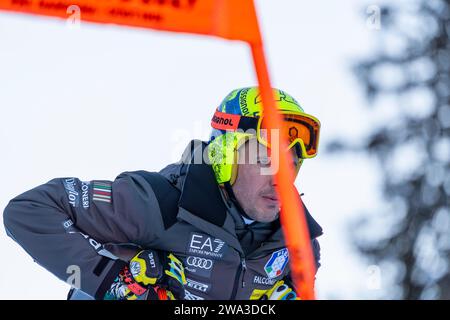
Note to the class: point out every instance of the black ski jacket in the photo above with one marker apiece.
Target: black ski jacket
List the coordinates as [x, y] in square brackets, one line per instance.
[96, 227]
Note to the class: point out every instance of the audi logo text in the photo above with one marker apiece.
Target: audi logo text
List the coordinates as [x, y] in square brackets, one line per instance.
[201, 263]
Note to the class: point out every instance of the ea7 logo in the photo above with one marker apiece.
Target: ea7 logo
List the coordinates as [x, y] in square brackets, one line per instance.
[206, 246]
[219, 243]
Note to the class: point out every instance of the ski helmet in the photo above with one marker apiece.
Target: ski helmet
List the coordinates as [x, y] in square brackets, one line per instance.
[239, 118]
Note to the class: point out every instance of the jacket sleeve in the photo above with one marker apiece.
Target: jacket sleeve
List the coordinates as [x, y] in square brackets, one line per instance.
[64, 223]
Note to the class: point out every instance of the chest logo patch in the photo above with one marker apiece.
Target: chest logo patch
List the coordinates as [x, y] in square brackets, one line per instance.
[276, 264]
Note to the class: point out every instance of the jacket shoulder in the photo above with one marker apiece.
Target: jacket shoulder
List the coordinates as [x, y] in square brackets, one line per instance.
[165, 192]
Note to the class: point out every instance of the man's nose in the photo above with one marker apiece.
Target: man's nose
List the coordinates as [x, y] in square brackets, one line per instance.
[272, 181]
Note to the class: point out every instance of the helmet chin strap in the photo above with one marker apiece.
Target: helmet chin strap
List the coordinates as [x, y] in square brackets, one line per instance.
[232, 196]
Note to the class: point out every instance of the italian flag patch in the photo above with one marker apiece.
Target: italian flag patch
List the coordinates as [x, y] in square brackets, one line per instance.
[101, 191]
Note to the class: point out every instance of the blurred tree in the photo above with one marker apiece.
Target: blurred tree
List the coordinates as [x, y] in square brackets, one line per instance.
[407, 82]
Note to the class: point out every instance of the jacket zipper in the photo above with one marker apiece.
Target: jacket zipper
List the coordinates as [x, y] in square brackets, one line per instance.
[244, 268]
[241, 270]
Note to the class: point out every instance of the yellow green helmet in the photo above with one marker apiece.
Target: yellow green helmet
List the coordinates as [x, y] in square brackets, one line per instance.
[239, 117]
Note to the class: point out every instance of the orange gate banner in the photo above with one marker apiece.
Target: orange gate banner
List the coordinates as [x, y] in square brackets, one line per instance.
[230, 19]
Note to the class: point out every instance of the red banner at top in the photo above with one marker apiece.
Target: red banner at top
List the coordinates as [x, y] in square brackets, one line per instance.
[230, 19]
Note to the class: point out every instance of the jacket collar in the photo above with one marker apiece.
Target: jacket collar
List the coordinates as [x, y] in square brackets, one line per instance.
[200, 193]
[201, 200]
[201, 203]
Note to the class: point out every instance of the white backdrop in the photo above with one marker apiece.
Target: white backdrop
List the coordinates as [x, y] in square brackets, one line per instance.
[99, 100]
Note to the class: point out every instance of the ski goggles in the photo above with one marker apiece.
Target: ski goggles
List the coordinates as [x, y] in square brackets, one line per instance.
[298, 129]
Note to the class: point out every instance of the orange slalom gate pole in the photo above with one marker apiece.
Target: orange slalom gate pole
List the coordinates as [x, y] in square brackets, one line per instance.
[292, 216]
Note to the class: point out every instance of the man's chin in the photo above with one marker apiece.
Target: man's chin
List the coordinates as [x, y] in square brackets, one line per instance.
[269, 217]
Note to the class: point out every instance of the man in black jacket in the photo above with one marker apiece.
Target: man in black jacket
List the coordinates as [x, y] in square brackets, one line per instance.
[206, 227]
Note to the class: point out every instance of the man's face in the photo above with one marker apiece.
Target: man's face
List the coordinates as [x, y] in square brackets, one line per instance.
[254, 186]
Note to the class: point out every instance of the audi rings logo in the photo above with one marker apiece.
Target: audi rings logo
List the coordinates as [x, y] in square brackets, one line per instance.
[201, 263]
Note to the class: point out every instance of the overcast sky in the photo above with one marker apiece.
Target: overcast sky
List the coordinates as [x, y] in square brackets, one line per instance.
[96, 101]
